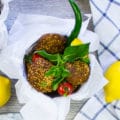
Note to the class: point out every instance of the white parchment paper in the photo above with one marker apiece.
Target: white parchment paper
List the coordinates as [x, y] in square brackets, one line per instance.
[3, 29]
[26, 31]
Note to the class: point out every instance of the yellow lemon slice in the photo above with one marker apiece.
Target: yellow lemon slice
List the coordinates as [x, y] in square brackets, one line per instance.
[112, 89]
[76, 41]
[5, 90]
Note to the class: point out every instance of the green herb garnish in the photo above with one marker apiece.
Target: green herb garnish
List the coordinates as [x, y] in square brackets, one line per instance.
[73, 53]
[51, 57]
[28, 58]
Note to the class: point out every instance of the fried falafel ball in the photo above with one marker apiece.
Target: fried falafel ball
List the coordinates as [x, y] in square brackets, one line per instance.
[36, 75]
[79, 73]
[52, 43]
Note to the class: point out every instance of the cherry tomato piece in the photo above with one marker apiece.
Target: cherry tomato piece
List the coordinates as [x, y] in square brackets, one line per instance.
[65, 89]
[35, 57]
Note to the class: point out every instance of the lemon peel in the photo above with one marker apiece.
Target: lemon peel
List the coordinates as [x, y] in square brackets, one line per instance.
[112, 89]
[5, 90]
[76, 41]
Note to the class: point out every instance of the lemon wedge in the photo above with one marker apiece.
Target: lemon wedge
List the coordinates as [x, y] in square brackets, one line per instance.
[112, 89]
[5, 90]
[76, 41]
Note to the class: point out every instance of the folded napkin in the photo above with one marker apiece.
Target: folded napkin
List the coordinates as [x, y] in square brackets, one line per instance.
[106, 17]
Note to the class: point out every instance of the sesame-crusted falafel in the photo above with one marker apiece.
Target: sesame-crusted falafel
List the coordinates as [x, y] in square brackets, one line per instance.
[52, 43]
[79, 72]
[36, 75]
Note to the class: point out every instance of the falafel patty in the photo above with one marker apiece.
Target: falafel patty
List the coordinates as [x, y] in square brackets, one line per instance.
[36, 75]
[52, 43]
[79, 72]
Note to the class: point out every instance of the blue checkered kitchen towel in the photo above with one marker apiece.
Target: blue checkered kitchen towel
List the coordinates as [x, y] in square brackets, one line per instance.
[106, 17]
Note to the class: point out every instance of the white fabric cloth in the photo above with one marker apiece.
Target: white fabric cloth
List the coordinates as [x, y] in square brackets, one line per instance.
[106, 18]
[97, 109]
[26, 30]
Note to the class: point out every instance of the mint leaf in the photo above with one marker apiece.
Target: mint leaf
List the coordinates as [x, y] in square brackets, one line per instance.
[56, 83]
[72, 53]
[51, 71]
[28, 58]
[50, 57]
[65, 73]
[85, 59]
[54, 71]
[62, 74]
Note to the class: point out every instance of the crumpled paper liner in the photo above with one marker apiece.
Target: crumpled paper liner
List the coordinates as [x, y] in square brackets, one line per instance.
[3, 29]
[25, 32]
